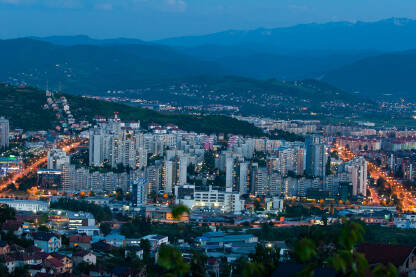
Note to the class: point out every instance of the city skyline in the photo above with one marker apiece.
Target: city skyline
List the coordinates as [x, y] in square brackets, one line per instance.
[260, 138]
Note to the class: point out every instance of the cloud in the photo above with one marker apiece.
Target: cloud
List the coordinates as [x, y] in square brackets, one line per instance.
[104, 6]
[65, 4]
[299, 8]
[15, 2]
[176, 5]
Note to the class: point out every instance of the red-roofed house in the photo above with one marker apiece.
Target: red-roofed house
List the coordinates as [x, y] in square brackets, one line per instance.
[13, 225]
[84, 256]
[82, 241]
[4, 247]
[55, 265]
[401, 256]
[65, 260]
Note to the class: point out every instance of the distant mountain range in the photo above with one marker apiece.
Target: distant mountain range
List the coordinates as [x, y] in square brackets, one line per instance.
[280, 66]
[373, 58]
[387, 74]
[91, 68]
[386, 35]
[86, 40]
[247, 61]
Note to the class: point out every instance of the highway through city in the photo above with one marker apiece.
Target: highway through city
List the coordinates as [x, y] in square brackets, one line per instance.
[66, 146]
[407, 200]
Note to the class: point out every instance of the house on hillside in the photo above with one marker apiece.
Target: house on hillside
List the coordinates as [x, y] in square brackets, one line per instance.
[47, 241]
[4, 247]
[84, 256]
[81, 241]
[401, 256]
[65, 260]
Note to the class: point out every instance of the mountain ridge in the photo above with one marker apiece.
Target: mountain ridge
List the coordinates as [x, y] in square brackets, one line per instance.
[375, 76]
[392, 34]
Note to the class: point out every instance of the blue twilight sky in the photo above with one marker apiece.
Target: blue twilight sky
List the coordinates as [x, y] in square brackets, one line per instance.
[155, 19]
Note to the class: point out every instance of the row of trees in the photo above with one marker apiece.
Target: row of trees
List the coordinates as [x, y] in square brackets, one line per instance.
[100, 213]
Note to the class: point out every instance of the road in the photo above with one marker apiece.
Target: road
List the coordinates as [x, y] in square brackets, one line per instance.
[407, 200]
[347, 155]
[67, 147]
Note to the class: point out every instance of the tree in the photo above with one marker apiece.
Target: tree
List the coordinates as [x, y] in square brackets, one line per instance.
[6, 213]
[209, 161]
[43, 228]
[43, 219]
[267, 257]
[65, 240]
[19, 272]
[139, 227]
[119, 194]
[253, 269]
[172, 261]
[346, 261]
[3, 269]
[198, 264]
[145, 245]
[100, 213]
[325, 219]
[179, 210]
[83, 267]
[328, 166]
[105, 228]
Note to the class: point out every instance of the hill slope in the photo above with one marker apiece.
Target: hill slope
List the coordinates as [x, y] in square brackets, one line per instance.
[24, 108]
[387, 35]
[286, 67]
[238, 60]
[88, 68]
[374, 76]
[86, 40]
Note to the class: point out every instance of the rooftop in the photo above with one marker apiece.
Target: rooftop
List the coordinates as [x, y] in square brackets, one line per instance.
[385, 253]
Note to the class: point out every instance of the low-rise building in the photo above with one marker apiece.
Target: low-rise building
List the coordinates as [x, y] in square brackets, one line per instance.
[401, 256]
[220, 238]
[84, 256]
[77, 219]
[89, 230]
[81, 241]
[48, 242]
[26, 205]
[116, 240]
[156, 240]
[4, 247]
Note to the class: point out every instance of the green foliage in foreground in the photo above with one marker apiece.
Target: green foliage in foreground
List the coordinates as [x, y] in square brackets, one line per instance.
[346, 261]
[330, 234]
[172, 261]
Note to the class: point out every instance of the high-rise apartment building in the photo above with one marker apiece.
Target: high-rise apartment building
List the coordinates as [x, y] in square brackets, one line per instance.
[57, 158]
[316, 156]
[4, 132]
[229, 169]
[138, 191]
